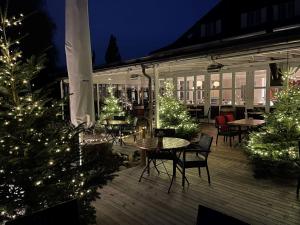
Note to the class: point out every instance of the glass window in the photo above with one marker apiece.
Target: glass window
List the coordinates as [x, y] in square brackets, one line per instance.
[200, 97]
[180, 95]
[260, 78]
[295, 78]
[190, 97]
[200, 82]
[161, 86]
[227, 97]
[215, 81]
[273, 94]
[259, 96]
[240, 79]
[190, 83]
[240, 96]
[226, 80]
[214, 97]
[180, 83]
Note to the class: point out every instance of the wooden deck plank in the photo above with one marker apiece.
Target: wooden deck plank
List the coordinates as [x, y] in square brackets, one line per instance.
[233, 191]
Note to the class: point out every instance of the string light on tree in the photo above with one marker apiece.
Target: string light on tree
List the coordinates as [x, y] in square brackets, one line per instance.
[278, 140]
[181, 121]
[39, 152]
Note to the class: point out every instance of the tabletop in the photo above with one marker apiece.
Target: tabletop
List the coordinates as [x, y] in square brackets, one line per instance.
[116, 122]
[247, 122]
[167, 143]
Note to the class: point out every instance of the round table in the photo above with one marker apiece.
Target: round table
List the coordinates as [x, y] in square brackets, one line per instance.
[150, 144]
[159, 144]
[116, 123]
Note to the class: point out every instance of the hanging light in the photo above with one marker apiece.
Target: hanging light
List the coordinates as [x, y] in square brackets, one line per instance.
[216, 83]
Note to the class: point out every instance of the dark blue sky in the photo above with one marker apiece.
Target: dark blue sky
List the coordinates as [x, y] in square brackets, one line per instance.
[140, 26]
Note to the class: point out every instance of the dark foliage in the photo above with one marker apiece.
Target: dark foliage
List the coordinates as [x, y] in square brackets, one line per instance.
[112, 54]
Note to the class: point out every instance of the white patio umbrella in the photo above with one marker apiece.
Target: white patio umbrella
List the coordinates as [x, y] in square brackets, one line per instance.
[79, 62]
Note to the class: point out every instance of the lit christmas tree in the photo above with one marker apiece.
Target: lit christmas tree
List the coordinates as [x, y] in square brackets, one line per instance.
[39, 152]
[175, 115]
[278, 140]
[111, 107]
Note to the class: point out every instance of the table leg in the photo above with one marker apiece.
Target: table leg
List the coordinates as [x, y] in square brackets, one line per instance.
[143, 157]
[240, 134]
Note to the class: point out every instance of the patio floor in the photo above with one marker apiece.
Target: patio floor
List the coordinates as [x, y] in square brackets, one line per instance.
[233, 191]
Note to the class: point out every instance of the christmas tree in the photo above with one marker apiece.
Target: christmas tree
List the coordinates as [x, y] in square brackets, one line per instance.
[174, 115]
[278, 140]
[39, 152]
[111, 107]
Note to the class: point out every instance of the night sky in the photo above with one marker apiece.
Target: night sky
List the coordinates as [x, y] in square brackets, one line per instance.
[140, 26]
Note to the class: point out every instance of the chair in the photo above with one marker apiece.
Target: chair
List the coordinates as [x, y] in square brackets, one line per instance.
[164, 132]
[205, 116]
[162, 155]
[229, 118]
[224, 129]
[131, 129]
[207, 216]
[119, 118]
[195, 157]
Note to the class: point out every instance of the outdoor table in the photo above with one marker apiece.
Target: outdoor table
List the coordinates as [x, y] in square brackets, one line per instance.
[116, 123]
[160, 144]
[246, 123]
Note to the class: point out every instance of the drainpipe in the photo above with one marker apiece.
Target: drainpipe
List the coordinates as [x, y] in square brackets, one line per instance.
[150, 105]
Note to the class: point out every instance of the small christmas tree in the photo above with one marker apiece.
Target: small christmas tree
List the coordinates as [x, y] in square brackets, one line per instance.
[39, 152]
[175, 115]
[111, 107]
[278, 140]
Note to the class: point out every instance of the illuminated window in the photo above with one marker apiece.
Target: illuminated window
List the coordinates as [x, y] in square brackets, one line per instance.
[190, 90]
[240, 88]
[180, 88]
[200, 89]
[260, 77]
[227, 89]
[215, 89]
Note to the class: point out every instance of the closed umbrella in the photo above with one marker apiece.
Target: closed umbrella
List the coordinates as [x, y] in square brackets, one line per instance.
[79, 63]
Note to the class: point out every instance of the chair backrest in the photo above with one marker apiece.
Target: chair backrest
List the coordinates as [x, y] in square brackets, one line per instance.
[229, 118]
[135, 121]
[119, 117]
[164, 132]
[205, 142]
[207, 114]
[220, 123]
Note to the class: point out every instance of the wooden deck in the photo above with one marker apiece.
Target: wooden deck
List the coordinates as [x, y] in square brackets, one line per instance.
[233, 191]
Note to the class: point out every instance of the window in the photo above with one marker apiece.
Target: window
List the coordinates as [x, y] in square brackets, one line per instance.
[200, 89]
[161, 86]
[227, 89]
[203, 29]
[273, 95]
[218, 26]
[180, 88]
[284, 10]
[215, 89]
[190, 90]
[254, 18]
[260, 78]
[211, 28]
[240, 84]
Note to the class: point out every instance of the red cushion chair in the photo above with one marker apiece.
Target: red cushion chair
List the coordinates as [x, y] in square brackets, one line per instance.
[224, 129]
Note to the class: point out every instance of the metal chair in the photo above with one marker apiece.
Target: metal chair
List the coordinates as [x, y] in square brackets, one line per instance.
[162, 155]
[131, 129]
[205, 116]
[196, 156]
[224, 129]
